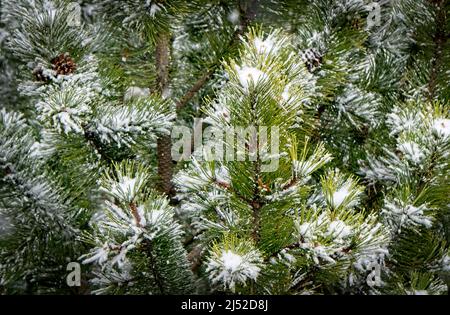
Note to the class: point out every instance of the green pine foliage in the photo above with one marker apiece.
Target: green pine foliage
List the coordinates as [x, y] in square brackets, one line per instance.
[323, 166]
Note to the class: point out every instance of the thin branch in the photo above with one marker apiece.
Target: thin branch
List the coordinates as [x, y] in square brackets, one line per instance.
[195, 88]
[164, 142]
[286, 248]
[135, 214]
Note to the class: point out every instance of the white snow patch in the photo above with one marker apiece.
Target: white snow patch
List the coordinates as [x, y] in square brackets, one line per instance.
[125, 188]
[400, 214]
[231, 261]
[231, 268]
[286, 95]
[249, 75]
[338, 229]
[305, 230]
[340, 195]
[442, 127]
[135, 91]
[233, 17]
[100, 255]
[264, 47]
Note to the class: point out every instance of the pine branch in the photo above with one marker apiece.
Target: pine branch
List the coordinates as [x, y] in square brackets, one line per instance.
[247, 11]
[257, 201]
[149, 251]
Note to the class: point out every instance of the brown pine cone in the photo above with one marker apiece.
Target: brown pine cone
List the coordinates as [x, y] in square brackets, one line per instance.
[63, 64]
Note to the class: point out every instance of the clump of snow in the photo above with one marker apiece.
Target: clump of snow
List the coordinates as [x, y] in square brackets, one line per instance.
[249, 75]
[222, 175]
[321, 252]
[340, 195]
[64, 119]
[265, 46]
[338, 229]
[286, 95]
[403, 120]
[135, 91]
[152, 217]
[231, 261]
[446, 263]
[231, 268]
[442, 127]
[125, 186]
[305, 230]
[233, 17]
[154, 9]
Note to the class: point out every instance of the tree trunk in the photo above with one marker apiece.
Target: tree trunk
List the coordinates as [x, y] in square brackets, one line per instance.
[164, 143]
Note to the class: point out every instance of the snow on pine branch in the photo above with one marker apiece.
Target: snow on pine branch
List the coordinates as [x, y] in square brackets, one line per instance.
[359, 107]
[135, 214]
[126, 182]
[330, 238]
[136, 233]
[441, 126]
[147, 221]
[204, 187]
[199, 176]
[400, 214]
[32, 204]
[233, 262]
[66, 108]
[40, 31]
[422, 143]
[306, 165]
[340, 192]
[129, 124]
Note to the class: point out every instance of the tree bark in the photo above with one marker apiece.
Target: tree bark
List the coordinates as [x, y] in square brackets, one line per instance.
[164, 143]
[440, 37]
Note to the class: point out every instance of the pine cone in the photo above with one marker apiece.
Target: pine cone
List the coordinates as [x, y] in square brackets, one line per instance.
[312, 59]
[63, 64]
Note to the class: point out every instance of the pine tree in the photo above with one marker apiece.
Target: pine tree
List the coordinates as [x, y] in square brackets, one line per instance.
[322, 166]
